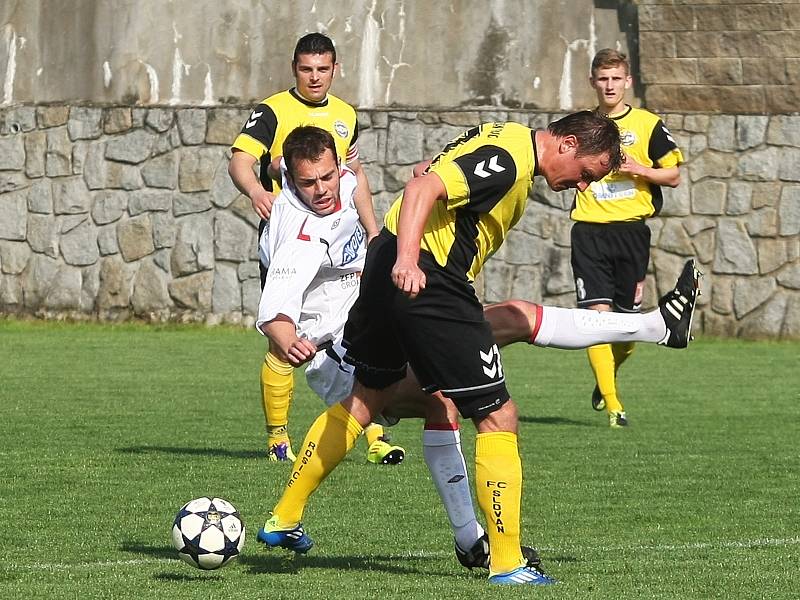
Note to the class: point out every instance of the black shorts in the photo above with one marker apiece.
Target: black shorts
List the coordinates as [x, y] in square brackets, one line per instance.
[441, 333]
[609, 263]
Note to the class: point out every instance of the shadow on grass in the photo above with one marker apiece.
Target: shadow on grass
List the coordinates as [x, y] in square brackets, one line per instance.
[288, 564]
[217, 452]
[163, 552]
[553, 421]
[194, 575]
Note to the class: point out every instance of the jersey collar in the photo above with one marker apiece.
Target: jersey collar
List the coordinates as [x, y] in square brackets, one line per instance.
[622, 115]
[296, 95]
[535, 156]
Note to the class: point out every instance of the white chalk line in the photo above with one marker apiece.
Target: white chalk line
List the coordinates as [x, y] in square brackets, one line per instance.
[722, 545]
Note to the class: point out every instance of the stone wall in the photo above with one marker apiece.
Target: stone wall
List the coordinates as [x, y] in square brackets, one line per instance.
[732, 56]
[119, 212]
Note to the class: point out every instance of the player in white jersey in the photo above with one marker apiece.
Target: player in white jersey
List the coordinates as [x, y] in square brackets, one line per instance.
[313, 248]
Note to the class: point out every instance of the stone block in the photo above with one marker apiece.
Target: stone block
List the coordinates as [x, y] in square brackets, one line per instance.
[51, 116]
[197, 168]
[735, 253]
[193, 292]
[43, 234]
[774, 254]
[741, 99]
[697, 44]
[160, 119]
[674, 239]
[750, 293]
[762, 222]
[242, 208]
[116, 283]
[712, 164]
[696, 123]
[70, 196]
[765, 322]
[85, 123]
[161, 171]
[224, 124]
[194, 245]
[665, 18]
[779, 44]
[135, 237]
[708, 197]
[717, 71]
[164, 230]
[792, 67]
[40, 197]
[251, 295]
[784, 130]
[35, 151]
[121, 176]
[789, 164]
[740, 194]
[654, 44]
[13, 215]
[80, 150]
[750, 131]
[107, 240]
[781, 98]
[108, 206]
[769, 71]
[698, 143]
[791, 322]
[90, 284]
[133, 147]
[722, 298]
[249, 270]
[117, 120]
[757, 17]
[166, 142]
[497, 278]
[12, 153]
[223, 192]
[150, 293]
[405, 142]
[717, 17]
[759, 165]
[58, 156]
[766, 193]
[226, 295]
[790, 276]
[149, 201]
[233, 238]
[695, 224]
[789, 211]
[722, 133]
[17, 119]
[65, 292]
[184, 204]
[37, 279]
[683, 71]
[192, 126]
[704, 244]
[78, 241]
[11, 296]
[14, 257]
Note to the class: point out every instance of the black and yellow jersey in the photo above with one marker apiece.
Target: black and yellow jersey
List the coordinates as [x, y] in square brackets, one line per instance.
[487, 172]
[619, 197]
[275, 117]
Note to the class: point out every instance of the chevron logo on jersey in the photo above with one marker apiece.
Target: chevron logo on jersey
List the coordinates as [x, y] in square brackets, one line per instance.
[491, 362]
[485, 168]
[252, 120]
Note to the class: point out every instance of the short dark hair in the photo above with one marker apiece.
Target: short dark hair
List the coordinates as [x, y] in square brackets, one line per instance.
[306, 142]
[596, 134]
[314, 43]
[608, 58]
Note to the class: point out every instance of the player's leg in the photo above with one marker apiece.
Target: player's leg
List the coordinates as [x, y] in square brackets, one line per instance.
[277, 388]
[332, 435]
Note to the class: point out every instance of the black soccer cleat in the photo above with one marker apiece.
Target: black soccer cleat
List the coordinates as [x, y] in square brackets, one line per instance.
[478, 555]
[598, 402]
[677, 307]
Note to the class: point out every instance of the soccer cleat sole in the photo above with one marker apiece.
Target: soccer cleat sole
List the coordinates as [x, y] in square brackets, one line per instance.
[522, 576]
[393, 457]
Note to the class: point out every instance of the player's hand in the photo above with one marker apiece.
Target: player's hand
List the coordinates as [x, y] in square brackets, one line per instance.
[629, 166]
[408, 278]
[262, 202]
[300, 352]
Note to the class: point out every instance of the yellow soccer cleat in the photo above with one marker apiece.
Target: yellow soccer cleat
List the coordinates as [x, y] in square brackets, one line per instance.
[280, 452]
[382, 453]
[617, 419]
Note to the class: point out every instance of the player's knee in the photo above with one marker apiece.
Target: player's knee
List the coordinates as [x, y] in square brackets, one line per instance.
[511, 321]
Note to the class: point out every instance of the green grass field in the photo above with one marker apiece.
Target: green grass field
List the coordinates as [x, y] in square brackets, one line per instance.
[108, 430]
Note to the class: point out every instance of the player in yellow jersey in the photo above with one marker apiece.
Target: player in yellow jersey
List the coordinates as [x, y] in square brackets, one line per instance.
[417, 307]
[261, 139]
[610, 239]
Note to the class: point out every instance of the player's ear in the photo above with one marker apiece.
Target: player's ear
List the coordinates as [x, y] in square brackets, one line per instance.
[628, 82]
[569, 143]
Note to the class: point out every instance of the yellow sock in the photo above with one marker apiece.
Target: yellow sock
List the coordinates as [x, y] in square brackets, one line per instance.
[498, 480]
[330, 438]
[602, 360]
[277, 387]
[373, 431]
[622, 351]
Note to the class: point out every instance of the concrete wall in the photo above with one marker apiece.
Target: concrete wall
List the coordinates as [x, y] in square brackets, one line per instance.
[531, 53]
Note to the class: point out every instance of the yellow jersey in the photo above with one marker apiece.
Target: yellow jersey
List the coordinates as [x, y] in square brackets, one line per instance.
[275, 117]
[619, 197]
[487, 172]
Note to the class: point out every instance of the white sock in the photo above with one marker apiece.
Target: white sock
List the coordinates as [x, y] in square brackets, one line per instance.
[572, 328]
[442, 449]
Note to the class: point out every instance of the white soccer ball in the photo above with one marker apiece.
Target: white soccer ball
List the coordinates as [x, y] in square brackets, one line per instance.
[208, 533]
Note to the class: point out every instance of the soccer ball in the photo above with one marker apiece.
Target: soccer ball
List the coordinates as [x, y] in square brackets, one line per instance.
[208, 533]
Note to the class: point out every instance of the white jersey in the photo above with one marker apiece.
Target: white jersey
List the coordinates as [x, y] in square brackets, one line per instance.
[314, 266]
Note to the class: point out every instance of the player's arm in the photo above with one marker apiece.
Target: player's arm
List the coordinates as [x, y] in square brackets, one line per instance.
[363, 200]
[282, 332]
[670, 176]
[419, 196]
[240, 169]
[420, 168]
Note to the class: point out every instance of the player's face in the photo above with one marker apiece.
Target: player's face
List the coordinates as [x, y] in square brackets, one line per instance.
[567, 170]
[313, 75]
[317, 183]
[610, 85]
